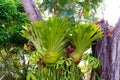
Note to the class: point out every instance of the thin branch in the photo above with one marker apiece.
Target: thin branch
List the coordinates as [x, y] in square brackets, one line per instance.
[81, 10]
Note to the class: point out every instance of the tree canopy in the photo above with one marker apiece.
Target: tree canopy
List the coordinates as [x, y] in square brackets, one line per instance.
[74, 9]
[12, 17]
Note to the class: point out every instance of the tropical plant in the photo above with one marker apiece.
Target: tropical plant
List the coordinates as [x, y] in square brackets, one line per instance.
[63, 69]
[92, 61]
[83, 37]
[89, 64]
[49, 38]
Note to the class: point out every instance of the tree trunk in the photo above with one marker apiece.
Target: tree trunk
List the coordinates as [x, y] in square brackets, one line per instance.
[107, 49]
[31, 10]
[115, 52]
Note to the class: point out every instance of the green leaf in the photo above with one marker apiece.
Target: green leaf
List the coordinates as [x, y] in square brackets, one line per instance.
[84, 35]
[49, 37]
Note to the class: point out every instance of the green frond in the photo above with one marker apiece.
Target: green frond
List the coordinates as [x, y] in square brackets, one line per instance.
[84, 35]
[49, 37]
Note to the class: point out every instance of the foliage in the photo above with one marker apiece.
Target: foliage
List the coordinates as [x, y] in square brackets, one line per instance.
[13, 63]
[92, 61]
[63, 69]
[49, 37]
[83, 37]
[69, 8]
[12, 17]
[90, 64]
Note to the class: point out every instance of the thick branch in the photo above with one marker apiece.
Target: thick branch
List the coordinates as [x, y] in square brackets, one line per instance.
[31, 10]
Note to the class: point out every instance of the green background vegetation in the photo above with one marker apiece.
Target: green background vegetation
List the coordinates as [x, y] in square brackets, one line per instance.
[19, 60]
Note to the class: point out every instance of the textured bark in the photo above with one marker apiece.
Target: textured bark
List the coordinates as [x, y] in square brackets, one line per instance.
[107, 49]
[116, 52]
[31, 10]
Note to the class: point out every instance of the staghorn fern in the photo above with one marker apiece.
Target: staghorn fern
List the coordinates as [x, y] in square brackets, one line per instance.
[83, 37]
[49, 38]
